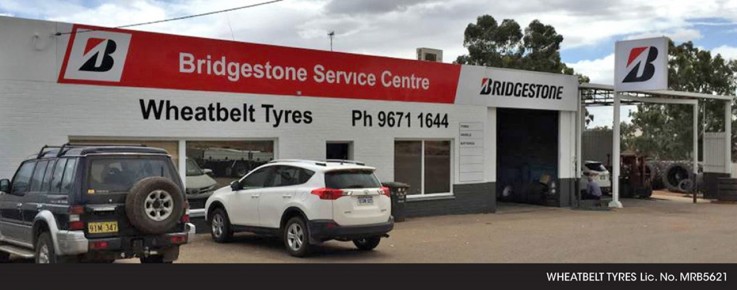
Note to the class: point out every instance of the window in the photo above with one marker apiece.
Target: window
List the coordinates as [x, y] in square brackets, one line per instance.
[425, 165]
[288, 175]
[46, 183]
[38, 175]
[23, 177]
[58, 173]
[226, 161]
[108, 175]
[351, 179]
[68, 179]
[257, 179]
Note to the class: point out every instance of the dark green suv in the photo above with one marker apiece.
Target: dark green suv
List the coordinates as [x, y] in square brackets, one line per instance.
[94, 203]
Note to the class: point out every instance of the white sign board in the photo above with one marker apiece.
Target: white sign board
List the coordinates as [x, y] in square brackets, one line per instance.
[472, 151]
[641, 65]
[505, 88]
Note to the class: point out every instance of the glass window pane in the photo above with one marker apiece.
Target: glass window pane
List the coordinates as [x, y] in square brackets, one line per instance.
[257, 179]
[69, 172]
[23, 177]
[119, 174]
[38, 175]
[346, 179]
[437, 167]
[221, 162]
[58, 173]
[408, 164]
[47, 177]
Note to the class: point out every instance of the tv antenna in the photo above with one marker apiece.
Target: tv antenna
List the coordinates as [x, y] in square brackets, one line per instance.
[331, 34]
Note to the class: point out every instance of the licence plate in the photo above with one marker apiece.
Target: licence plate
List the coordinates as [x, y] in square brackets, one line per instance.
[365, 200]
[102, 227]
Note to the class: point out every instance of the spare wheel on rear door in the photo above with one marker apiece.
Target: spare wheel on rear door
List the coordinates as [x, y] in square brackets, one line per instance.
[154, 205]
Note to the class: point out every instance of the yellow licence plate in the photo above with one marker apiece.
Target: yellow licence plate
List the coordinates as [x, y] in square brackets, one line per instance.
[102, 227]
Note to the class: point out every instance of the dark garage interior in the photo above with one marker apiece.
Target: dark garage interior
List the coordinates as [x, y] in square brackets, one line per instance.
[527, 156]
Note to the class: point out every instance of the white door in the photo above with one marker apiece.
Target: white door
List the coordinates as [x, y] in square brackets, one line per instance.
[279, 194]
[243, 209]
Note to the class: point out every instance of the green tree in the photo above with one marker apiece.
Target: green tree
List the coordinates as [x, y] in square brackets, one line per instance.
[666, 130]
[504, 45]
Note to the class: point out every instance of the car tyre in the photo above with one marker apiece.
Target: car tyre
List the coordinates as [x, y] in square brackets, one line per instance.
[296, 237]
[367, 244]
[45, 253]
[220, 228]
[154, 205]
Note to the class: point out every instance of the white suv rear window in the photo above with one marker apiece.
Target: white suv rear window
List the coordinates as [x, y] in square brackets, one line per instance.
[351, 179]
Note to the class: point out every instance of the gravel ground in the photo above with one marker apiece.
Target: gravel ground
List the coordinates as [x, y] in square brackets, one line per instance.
[667, 229]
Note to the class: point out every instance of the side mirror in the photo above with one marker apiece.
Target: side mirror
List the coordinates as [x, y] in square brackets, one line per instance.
[207, 171]
[5, 185]
[235, 185]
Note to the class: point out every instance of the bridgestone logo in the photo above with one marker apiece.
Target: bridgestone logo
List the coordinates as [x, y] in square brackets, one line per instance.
[521, 90]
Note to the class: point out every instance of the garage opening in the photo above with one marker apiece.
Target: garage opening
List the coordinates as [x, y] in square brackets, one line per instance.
[527, 156]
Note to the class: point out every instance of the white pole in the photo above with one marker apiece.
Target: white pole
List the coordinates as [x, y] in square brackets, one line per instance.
[695, 147]
[615, 154]
[580, 123]
[728, 137]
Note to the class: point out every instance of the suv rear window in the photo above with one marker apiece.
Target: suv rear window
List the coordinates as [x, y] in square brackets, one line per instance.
[351, 179]
[110, 175]
[595, 166]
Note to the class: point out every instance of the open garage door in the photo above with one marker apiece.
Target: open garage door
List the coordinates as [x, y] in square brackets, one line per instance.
[527, 156]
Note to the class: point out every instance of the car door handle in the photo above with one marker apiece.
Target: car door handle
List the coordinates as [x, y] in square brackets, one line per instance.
[255, 195]
[286, 196]
[39, 206]
[19, 205]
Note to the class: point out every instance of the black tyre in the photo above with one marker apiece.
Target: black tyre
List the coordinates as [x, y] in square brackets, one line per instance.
[155, 259]
[296, 237]
[367, 244]
[220, 229]
[154, 205]
[674, 174]
[4, 257]
[45, 253]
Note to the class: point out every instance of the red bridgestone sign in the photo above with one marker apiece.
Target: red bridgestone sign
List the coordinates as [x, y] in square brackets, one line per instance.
[114, 57]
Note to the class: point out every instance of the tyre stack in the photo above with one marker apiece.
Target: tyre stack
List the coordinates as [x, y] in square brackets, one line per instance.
[678, 177]
[727, 189]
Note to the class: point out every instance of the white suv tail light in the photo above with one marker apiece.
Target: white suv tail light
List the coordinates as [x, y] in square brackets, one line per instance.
[328, 193]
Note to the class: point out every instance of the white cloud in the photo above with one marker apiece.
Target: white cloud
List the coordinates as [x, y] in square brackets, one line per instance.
[678, 35]
[727, 52]
[384, 28]
[600, 71]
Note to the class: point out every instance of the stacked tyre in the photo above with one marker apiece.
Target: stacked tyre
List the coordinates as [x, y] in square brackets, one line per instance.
[727, 189]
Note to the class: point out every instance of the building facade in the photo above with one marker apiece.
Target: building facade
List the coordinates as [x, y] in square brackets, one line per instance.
[462, 137]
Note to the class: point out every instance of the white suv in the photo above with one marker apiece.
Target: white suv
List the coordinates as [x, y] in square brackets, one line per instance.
[305, 203]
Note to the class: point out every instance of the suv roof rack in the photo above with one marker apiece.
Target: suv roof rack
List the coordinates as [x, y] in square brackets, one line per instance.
[41, 152]
[343, 161]
[299, 160]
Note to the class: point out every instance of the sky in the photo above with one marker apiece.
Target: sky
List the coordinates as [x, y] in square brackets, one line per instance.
[396, 28]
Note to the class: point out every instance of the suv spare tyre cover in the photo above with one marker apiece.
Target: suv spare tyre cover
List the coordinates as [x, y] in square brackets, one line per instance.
[154, 205]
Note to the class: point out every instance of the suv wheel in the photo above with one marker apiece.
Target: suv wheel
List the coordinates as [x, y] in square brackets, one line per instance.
[220, 226]
[154, 205]
[367, 244]
[296, 237]
[4, 257]
[45, 253]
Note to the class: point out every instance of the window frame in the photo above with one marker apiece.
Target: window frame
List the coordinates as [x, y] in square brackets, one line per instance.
[15, 176]
[422, 194]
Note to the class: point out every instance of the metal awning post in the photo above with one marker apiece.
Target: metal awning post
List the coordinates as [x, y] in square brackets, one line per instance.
[615, 153]
[728, 137]
[695, 148]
